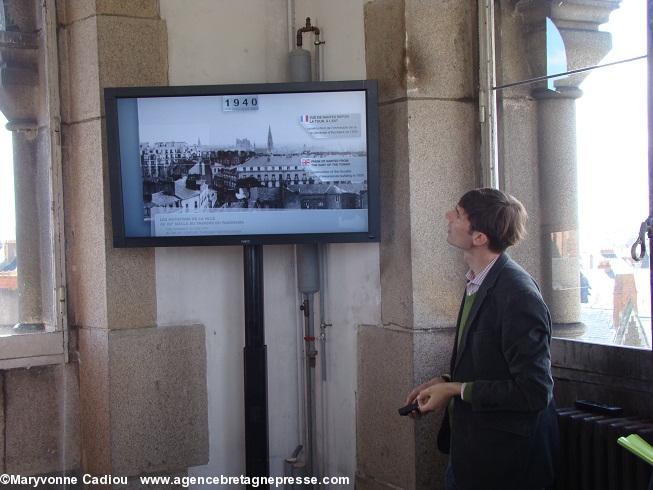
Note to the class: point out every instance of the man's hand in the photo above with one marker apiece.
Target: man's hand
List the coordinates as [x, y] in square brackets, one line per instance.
[412, 396]
[437, 397]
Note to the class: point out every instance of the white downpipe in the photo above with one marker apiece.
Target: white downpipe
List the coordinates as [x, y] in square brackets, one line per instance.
[323, 251]
[300, 365]
[324, 322]
[299, 324]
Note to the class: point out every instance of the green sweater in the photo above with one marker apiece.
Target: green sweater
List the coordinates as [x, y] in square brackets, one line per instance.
[467, 307]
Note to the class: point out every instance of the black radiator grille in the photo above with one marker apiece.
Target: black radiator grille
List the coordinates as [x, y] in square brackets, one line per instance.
[591, 458]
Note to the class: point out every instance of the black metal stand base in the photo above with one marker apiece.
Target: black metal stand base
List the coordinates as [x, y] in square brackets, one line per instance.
[257, 462]
[256, 412]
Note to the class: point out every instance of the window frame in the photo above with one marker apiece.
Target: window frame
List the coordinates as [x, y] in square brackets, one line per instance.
[490, 170]
[489, 175]
[51, 345]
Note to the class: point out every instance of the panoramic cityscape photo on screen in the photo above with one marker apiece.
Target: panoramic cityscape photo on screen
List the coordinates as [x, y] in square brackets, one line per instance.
[253, 164]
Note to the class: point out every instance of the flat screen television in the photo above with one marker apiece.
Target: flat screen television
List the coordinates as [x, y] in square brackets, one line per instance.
[244, 164]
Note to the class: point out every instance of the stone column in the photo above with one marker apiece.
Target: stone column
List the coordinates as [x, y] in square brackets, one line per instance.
[577, 22]
[556, 112]
[27, 226]
[143, 393]
[425, 61]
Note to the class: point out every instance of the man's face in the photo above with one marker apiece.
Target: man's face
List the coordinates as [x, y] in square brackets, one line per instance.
[459, 233]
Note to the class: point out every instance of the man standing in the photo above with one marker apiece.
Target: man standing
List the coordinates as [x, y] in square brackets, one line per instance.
[500, 427]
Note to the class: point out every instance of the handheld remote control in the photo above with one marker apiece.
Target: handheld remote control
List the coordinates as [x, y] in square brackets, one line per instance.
[408, 409]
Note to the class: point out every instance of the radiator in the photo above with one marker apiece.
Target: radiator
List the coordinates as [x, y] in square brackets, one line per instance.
[591, 458]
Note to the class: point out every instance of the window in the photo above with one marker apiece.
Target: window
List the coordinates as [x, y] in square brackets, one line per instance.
[32, 271]
[8, 273]
[564, 112]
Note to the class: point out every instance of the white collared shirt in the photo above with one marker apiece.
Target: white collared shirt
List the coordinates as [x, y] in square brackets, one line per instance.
[474, 281]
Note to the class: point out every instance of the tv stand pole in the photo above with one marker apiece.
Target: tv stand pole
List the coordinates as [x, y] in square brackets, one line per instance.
[257, 461]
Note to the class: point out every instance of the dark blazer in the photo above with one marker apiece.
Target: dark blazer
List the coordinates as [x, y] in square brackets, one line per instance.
[507, 437]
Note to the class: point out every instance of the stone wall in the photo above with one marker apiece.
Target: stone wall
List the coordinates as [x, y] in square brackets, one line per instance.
[142, 388]
[425, 59]
[424, 56]
[39, 407]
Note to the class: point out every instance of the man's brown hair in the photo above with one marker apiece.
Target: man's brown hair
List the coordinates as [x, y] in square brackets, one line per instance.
[500, 216]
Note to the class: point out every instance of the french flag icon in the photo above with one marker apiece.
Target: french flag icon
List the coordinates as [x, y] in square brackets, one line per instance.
[304, 119]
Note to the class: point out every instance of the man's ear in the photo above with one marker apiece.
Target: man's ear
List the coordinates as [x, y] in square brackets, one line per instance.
[479, 239]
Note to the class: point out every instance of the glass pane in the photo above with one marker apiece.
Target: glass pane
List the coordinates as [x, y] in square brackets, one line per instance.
[613, 201]
[8, 273]
[550, 32]
[577, 157]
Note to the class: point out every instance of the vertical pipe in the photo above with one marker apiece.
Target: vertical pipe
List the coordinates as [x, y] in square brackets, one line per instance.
[300, 382]
[301, 386]
[322, 259]
[255, 358]
[324, 323]
[649, 62]
[322, 254]
[309, 284]
[300, 71]
[310, 382]
[318, 71]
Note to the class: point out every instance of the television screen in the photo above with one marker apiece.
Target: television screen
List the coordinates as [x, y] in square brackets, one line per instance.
[244, 164]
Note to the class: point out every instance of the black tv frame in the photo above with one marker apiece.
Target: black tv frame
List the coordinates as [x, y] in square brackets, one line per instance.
[111, 95]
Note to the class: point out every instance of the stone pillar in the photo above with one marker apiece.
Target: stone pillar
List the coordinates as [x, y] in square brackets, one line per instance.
[425, 61]
[27, 226]
[143, 394]
[577, 22]
[556, 112]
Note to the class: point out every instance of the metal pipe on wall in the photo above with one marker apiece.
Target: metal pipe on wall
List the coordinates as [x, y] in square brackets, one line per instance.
[324, 323]
[293, 465]
[309, 284]
[323, 283]
[310, 274]
[311, 354]
[317, 43]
